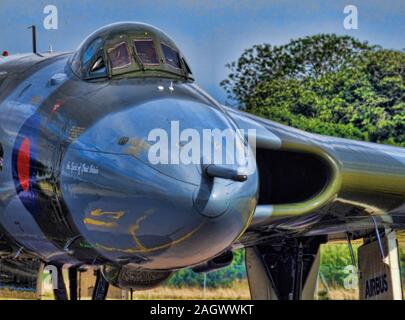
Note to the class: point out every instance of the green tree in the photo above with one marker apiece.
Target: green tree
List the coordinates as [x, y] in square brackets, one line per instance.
[334, 259]
[219, 278]
[326, 84]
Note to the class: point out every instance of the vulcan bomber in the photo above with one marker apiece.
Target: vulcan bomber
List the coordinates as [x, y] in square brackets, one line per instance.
[78, 187]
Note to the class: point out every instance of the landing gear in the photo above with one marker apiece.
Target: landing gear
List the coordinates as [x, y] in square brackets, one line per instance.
[287, 271]
[60, 293]
[73, 283]
[101, 288]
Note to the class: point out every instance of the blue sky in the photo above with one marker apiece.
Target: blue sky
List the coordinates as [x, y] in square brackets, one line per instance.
[211, 33]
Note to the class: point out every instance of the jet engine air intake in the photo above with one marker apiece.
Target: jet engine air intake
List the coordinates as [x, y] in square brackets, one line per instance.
[291, 177]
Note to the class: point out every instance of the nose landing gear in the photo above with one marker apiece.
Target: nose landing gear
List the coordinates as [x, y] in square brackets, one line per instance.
[100, 290]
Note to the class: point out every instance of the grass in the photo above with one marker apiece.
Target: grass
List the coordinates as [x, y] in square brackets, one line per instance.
[238, 291]
[17, 295]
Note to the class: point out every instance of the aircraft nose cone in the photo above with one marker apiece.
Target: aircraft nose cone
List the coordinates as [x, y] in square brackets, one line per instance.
[162, 214]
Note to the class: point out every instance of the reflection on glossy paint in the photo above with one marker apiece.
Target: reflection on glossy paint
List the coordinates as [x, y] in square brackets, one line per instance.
[98, 223]
[114, 215]
[135, 227]
[140, 248]
[136, 146]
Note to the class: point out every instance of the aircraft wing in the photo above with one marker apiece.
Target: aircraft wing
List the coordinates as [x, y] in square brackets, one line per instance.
[324, 185]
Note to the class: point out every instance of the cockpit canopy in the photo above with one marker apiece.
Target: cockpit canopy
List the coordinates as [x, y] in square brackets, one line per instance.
[129, 49]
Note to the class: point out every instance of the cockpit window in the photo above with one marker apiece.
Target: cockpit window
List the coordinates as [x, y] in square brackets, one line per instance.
[187, 66]
[128, 50]
[98, 66]
[89, 60]
[92, 50]
[146, 51]
[119, 56]
[172, 57]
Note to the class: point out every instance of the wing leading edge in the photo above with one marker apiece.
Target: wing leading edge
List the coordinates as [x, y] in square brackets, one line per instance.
[313, 180]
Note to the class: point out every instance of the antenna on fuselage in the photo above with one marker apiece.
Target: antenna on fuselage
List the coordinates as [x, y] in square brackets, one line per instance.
[34, 38]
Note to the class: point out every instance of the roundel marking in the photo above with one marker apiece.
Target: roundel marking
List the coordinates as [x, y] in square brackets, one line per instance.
[23, 164]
